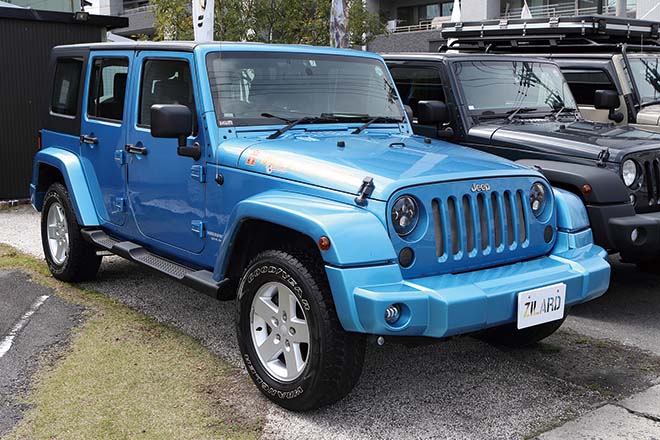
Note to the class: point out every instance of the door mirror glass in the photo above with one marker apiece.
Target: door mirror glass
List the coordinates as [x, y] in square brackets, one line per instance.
[606, 99]
[171, 121]
[432, 113]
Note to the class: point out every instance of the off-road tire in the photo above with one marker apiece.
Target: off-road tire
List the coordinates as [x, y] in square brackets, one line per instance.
[335, 357]
[82, 263]
[509, 335]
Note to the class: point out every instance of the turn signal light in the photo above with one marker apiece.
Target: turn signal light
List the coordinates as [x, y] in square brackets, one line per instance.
[324, 243]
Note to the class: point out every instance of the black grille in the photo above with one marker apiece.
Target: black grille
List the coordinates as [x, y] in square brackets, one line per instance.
[479, 224]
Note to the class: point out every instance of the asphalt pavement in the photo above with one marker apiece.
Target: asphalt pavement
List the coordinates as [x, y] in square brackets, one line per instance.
[608, 350]
[35, 326]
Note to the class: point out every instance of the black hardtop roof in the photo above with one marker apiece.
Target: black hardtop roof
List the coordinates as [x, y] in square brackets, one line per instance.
[453, 56]
[586, 34]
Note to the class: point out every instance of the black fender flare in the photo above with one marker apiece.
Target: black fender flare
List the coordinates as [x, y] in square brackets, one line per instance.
[607, 188]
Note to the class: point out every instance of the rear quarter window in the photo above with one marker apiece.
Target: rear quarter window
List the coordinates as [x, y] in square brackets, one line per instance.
[66, 86]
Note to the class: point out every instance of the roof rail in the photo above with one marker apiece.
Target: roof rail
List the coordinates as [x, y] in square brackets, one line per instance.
[559, 34]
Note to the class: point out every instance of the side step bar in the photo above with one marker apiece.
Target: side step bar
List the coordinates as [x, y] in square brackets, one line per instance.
[200, 280]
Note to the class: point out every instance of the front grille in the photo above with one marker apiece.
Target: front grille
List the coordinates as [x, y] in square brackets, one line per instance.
[479, 224]
[652, 179]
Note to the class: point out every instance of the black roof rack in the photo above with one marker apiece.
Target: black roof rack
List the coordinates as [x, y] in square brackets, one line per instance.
[589, 33]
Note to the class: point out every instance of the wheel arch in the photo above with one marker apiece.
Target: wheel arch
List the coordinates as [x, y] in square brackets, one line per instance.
[58, 165]
[357, 237]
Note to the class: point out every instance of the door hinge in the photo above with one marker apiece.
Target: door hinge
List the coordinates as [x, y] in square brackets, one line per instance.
[197, 226]
[119, 204]
[198, 172]
[120, 157]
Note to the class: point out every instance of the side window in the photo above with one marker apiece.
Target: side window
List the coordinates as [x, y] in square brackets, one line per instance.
[107, 88]
[417, 84]
[65, 86]
[584, 83]
[165, 82]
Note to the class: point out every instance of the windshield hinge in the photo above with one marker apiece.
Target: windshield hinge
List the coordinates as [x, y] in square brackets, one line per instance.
[365, 191]
[197, 172]
[603, 156]
[198, 228]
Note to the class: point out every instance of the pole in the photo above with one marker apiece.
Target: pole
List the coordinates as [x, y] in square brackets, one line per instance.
[621, 8]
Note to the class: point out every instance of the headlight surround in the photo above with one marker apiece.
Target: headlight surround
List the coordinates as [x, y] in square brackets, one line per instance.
[538, 198]
[404, 215]
[629, 170]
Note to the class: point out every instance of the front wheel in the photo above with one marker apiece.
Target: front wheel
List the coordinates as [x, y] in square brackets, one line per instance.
[69, 256]
[292, 344]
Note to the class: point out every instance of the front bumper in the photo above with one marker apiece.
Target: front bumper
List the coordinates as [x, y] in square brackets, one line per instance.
[613, 227]
[451, 304]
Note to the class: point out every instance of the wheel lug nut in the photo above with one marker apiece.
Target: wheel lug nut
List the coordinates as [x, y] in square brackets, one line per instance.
[276, 322]
[292, 331]
[283, 316]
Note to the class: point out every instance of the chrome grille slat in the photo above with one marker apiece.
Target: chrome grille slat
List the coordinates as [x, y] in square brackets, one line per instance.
[469, 225]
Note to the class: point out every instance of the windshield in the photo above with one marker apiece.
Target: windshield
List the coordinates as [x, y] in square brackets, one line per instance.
[647, 77]
[261, 88]
[500, 87]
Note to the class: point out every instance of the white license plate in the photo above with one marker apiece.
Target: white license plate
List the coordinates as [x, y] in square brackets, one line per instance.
[541, 305]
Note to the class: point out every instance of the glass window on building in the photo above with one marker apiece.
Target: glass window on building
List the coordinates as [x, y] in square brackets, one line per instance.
[414, 15]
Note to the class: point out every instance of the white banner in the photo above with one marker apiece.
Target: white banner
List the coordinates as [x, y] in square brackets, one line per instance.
[338, 19]
[202, 14]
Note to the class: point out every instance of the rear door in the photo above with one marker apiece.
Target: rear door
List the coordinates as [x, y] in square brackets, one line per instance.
[103, 131]
[165, 190]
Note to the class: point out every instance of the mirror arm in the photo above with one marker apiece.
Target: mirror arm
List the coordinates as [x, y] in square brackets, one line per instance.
[195, 151]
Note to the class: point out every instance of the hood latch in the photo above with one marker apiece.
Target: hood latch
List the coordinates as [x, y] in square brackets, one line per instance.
[603, 156]
[365, 191]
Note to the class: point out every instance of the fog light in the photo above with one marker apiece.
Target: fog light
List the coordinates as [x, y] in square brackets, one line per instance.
[406, 257]
[634, 235]
[548, 234]
[392, 314]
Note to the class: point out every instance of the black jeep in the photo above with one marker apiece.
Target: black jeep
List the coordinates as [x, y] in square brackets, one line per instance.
[522, 108]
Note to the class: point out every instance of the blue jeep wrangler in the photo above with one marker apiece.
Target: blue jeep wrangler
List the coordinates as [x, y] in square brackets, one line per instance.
[288, 177]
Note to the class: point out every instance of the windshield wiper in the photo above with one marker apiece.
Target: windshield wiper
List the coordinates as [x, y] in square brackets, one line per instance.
[383, 119]
[512, 113]
[555, 114]
[290, 123]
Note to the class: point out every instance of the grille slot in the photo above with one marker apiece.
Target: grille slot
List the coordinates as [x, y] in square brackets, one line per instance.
[470, 225]
[656, 178]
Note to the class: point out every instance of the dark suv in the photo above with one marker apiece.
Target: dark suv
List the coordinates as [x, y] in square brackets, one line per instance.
[522, 108]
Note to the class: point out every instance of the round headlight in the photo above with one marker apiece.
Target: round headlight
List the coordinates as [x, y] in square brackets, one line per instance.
[538, 198]
[629, 172]
[405, 215]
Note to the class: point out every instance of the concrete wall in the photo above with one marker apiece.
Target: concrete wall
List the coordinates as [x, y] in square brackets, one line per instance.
[474, 10]
[422, 41]
[49, 5]
[645, 8]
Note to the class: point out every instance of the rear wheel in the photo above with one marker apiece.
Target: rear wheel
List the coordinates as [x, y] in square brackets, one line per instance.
[509, 335]
[290, 338]
[69, 256]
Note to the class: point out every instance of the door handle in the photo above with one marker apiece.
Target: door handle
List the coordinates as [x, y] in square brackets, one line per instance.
[88, 139]
[136, 149]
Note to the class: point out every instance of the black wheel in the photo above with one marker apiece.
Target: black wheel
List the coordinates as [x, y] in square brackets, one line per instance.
[509, 335]
[293, 346]
[69, 256]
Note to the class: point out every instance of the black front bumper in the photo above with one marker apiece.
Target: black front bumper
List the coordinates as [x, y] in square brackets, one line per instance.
[618, 228]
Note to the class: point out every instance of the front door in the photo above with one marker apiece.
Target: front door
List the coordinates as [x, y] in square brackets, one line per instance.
[165, 190]
[103, 133]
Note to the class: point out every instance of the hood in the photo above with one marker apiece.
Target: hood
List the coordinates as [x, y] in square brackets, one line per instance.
[649, 115]
[392, 161]
[581, 138]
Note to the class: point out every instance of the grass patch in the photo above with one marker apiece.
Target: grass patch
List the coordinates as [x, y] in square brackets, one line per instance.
[125, 376]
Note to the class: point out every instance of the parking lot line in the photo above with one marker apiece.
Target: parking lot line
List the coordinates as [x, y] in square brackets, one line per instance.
[8, 340]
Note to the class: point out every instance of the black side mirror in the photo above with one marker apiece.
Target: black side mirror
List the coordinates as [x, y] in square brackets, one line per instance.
[174, 121]
[608, 100]
[432, 113]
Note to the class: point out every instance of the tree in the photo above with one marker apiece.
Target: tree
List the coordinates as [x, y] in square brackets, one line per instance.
[270, 21]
